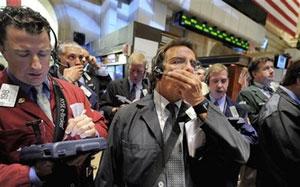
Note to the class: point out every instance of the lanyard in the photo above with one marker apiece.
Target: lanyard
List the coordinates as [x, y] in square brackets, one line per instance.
[61, 113]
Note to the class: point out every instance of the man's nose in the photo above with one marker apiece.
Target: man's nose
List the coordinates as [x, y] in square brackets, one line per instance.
[78, 61]
[189, 66]
[36, 64]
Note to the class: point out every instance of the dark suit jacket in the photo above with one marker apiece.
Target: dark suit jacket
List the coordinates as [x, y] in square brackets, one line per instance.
[135, 140]
[254, 99]
[279, 137]
[109, 100]
[249, 133]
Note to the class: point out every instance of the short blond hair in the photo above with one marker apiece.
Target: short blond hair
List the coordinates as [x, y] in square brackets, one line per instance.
[137, 58]
[215, 68]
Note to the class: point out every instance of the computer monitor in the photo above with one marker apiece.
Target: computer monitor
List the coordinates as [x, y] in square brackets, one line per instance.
[116, 71]
[281, 61]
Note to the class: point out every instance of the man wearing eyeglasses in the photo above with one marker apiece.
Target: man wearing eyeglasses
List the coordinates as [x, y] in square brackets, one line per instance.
[36, 108]
[173, 137]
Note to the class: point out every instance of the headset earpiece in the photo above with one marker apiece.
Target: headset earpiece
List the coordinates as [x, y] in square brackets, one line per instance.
[158, 72]
[158, 65]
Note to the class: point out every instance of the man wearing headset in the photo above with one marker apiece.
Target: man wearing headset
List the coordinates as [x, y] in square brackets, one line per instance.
[30, 95]
[72, 62]
[173, 137]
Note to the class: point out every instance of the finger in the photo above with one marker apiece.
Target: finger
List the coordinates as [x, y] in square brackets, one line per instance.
[70, 126]
[88, 133]
[81, 124]
[85, 127]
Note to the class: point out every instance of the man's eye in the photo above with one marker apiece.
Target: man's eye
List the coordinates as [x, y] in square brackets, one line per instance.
[23, 54]
[71, 57]
[193, 63]
[179, 61]
[44, 54]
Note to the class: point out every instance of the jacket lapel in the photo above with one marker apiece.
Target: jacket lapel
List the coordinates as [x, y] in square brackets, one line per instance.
[259, 94]
[149, 115]
[28, 106]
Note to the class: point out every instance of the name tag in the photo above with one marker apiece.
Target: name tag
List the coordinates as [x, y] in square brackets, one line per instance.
[8, 95]
[234, 112]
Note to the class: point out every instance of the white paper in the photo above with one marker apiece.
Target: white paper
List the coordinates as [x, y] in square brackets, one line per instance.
[77, 109]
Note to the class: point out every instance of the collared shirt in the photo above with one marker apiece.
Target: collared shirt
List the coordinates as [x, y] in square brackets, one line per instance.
[27, 89]
[260, 86]
[291, 94]
[221, 101]
[160, 105]
[138, 90]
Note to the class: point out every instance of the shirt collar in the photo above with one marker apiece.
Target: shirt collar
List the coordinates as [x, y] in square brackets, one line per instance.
[161, 102]
[26, 88]
[220, 100]
[138, 85]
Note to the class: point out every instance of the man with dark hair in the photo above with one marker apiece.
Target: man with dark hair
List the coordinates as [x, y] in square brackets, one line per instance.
[36, 108]
[279, 133]
[174, 136]
[257, 94]
[254, 97]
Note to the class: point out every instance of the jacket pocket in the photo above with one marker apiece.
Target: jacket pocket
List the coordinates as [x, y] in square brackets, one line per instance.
[138, 159]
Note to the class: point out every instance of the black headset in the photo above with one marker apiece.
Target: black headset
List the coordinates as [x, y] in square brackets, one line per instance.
[157, 62]
[54, 52]
[54, 55]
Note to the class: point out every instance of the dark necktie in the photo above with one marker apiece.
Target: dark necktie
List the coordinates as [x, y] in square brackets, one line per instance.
[268, 89]
[170, 121]
[216, 102]
[132, 92]
[175, 166]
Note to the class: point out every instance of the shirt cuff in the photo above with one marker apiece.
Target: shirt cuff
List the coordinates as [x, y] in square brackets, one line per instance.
[34, 179]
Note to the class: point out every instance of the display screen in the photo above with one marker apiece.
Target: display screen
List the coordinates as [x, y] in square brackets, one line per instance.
[281, 62]
[115, 71]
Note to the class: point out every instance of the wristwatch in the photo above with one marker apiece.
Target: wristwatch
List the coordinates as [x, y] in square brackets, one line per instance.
[201, 107]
